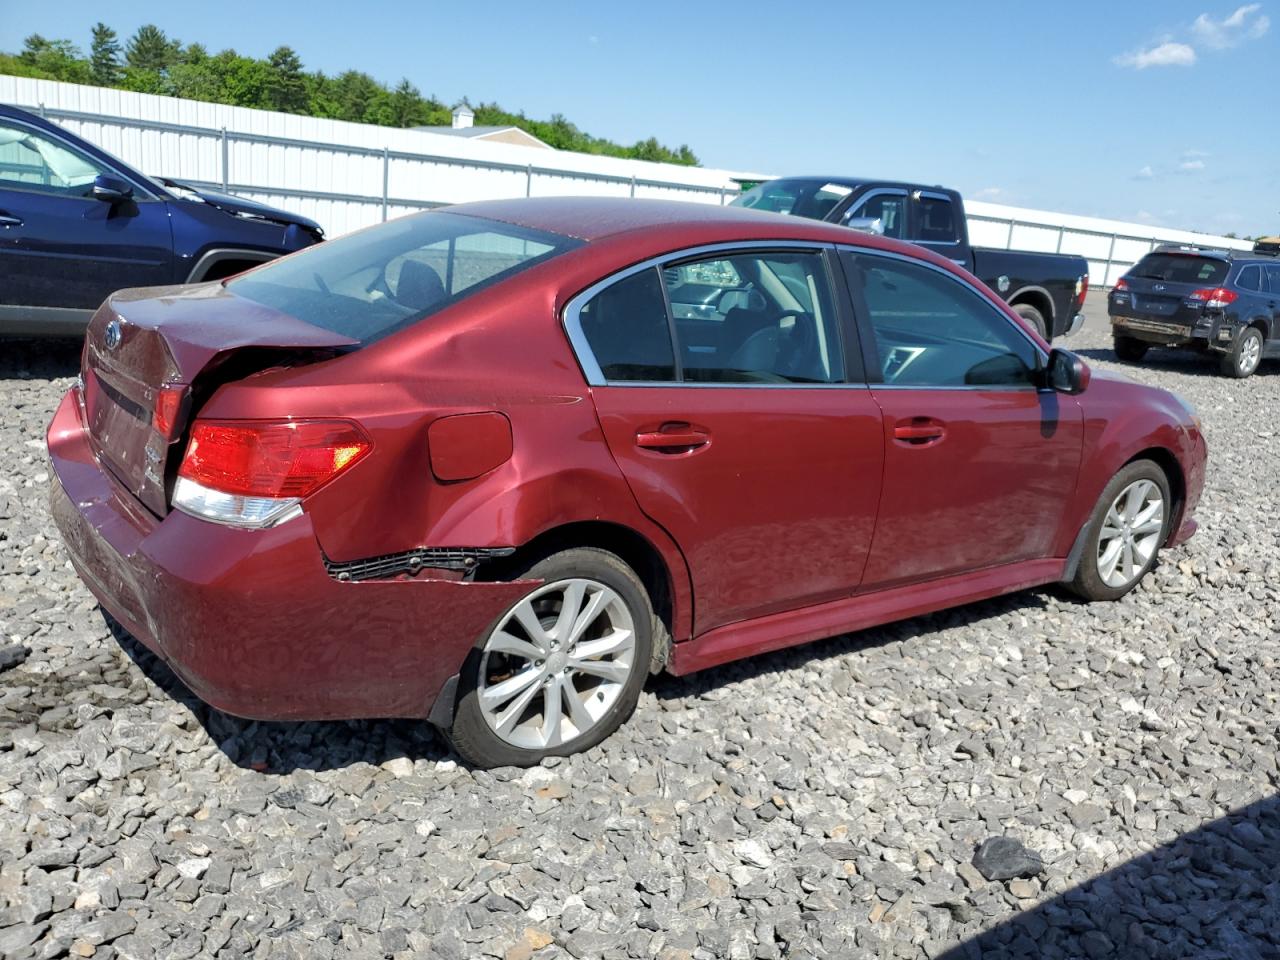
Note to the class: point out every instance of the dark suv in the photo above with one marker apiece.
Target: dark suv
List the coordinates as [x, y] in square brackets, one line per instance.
[76, 224]
[1213, 301]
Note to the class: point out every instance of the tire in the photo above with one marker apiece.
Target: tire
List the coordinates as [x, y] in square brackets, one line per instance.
[1245, 355]
[1033, 317]
[508, 726]
[1095, 578]
[1130, 350]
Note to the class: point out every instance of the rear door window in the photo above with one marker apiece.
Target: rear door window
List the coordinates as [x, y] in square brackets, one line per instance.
[1181, 268]
[1273, 276]
[936, 219]
[628, 331]
[372, 283]
[1250, 278]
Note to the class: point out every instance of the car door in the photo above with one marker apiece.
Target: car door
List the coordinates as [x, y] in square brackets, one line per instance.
[1273, 303]
[60, 247]
[755, 449]
[978, 460]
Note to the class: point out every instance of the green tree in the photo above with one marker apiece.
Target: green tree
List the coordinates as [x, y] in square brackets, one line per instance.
[104, 56]
[286, 84]
[150, 49]
[54, 59]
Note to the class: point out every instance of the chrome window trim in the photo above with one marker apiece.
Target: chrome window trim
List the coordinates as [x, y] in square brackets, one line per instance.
[572, 321]
[983, 296]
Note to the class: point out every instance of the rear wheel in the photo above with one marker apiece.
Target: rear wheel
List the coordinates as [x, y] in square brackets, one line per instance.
[562, 669]
[1130, 350]
[1033, 317]
[1243, 358]
[1123, 537]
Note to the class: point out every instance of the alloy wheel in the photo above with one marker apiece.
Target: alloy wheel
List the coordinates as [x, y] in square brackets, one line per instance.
[556, 663]
[1250, 354]
[1130, 533]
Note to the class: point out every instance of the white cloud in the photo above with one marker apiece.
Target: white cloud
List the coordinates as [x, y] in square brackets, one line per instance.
[1167, 54]
[1246, 23]
[989, 193]
[1190, 166]
[1146, 173]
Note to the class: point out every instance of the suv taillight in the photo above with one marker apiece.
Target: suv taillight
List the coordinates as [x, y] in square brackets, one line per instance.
[1215, 298]
[1121, 286]
[255, 473]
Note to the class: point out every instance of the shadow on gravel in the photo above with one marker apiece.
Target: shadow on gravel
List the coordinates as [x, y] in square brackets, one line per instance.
[1211, 894]
[1177, 361]
[49, 359]
[669, 687]
[283, 747]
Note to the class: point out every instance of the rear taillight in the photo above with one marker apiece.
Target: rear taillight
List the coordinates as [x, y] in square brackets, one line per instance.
[255, 473]
[168, 403]
[1121, 286]
[1215, 298]
[1082, 288]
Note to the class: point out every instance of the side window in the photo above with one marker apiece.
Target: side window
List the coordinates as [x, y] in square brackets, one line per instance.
[1273, 275]
[937, 220]
[756, 318]
[1250, 278]
[626, 326]
[933, 331]
[31, 161]
[890, 209]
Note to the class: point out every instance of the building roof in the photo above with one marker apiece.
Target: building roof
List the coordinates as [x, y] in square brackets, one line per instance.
[484, 133]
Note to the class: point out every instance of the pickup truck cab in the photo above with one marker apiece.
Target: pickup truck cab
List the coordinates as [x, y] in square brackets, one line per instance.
[76, 224]
[1046, 289]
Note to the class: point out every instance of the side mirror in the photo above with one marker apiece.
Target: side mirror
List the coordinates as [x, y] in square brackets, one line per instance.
[866, 225]
[111, 189]
[1066, 373]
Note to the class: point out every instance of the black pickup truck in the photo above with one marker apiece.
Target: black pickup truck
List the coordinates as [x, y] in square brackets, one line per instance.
[1046, 289]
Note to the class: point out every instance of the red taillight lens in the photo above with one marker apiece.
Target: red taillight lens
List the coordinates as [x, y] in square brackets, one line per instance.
[1215, 298]
[271, 458]
[1084, 287]
[168, 403]
[1121, 285]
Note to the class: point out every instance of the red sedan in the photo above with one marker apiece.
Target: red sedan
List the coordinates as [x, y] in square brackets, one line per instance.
[492, 465]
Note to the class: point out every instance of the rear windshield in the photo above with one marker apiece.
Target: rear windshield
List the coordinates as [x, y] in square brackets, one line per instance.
[1181, 268]
[372, 283]
[802, 198]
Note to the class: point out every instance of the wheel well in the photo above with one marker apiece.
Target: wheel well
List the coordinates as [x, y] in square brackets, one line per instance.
[226, 268]
[1167, 462]
[630, 547]
[1034, 298]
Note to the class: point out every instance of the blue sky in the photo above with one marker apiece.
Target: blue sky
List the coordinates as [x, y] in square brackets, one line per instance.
[1140, 111]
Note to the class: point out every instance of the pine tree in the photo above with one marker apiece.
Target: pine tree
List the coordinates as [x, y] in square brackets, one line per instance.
[150, 49]
[104, 56]
[286, 83]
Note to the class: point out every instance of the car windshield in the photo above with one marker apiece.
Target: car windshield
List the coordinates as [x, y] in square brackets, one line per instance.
[372, 283]
[802, 198]
[1181, 268]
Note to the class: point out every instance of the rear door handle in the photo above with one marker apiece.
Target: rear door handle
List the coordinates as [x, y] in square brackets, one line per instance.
[673, 438]
[8, 221]
[919, 431]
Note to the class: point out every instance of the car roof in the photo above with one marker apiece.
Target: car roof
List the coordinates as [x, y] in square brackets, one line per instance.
[597, 218]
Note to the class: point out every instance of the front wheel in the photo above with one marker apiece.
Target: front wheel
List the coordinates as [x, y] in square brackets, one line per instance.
[560, 670]
[1130, 350]
[1123, 537]
[1242, 359]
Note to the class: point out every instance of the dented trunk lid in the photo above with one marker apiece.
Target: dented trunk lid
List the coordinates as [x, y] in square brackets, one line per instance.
[182, 341]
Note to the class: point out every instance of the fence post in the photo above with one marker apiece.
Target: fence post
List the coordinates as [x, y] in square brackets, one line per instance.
[633, 186]
[386, 179]
[1008, 241]
[1111, 256]
[1061, 231]
[528, 180]
[722, 196]
[43, 113]
[226, 162]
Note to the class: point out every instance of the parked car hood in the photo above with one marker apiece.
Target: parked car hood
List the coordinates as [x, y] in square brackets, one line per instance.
[240, 206]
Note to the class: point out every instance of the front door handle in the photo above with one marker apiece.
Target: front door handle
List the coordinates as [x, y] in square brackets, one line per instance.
[673, 438]
[9, 221]
[919, 431]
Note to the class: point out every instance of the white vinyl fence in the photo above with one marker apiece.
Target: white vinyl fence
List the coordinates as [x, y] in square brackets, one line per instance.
[349, 175]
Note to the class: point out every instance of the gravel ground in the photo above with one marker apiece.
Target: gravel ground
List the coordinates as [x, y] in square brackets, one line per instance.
[821, 802]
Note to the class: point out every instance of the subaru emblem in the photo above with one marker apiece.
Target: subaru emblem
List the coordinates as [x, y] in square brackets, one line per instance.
[1158, 288]
[112, 336]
